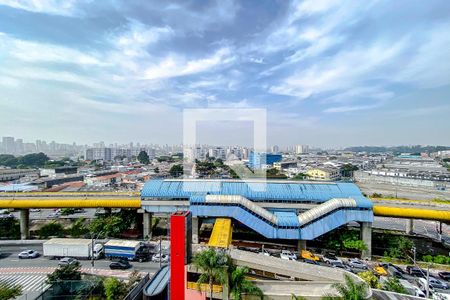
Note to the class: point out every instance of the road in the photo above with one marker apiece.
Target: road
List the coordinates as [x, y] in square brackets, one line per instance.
[9, 259]
[389, 190]
[422, 227]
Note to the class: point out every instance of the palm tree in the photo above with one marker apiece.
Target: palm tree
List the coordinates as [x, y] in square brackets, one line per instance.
[213, 265]
[351, 290]
[239, 284]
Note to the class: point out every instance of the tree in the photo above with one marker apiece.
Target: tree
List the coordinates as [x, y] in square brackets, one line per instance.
[64, 273]
[9, 292]
[348, 169]
[114, 288]
[393, 285]
[398, 246]
[51, 229]
[350, 290]
[9, 228]
[143, 158]
[371, 279]
[214, 265]
[176, 170]
[300, 176]
[78, 228]
[239, 284]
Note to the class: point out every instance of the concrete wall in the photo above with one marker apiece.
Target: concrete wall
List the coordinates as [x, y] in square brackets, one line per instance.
[361, 176]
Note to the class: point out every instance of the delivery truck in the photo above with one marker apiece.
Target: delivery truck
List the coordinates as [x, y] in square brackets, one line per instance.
[77, 248]
[131, 250]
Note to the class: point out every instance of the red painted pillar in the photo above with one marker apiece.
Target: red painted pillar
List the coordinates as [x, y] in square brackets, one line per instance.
[180, 252]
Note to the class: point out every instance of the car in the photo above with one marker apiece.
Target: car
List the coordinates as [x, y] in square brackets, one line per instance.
[288, 255]
[418, 292]
[6, 215]
[54, 215]
[305, 254]
[121, 264]
[79, 210]
[330, 258]
[438, 284]
[340, 265]
[311, 262]
[380, 271]
[163, 258]
[67, 261]
[28, 254]
[356, 263]
[35, 210]
[444, 275]
[264, 252]
[416, 272]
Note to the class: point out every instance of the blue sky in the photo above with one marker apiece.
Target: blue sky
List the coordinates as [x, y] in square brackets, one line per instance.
[329, 73]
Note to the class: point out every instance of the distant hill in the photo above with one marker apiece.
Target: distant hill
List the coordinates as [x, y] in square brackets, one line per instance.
[398, 149]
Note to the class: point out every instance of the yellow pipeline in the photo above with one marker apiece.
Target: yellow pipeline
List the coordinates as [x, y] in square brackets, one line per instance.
[413, 213]
[79, 194]
[76, 203]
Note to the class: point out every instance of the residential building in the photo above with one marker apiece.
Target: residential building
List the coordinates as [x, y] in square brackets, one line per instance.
[323, 173]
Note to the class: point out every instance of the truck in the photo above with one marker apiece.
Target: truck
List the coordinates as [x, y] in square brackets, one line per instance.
[131, 250]
[77, 248]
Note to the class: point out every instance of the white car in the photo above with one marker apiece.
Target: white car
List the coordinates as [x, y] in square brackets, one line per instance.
[67, 261]
[264, 252]
[35, 210]
[28, 254]
[54, 215]
[288, 255]
[163, 258]
[356, 263]
[330, 258]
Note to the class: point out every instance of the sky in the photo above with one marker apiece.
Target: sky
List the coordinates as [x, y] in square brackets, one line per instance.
[328, 73]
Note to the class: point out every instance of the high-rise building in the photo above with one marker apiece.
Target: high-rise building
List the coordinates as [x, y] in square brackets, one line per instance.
[301, 149]
[275, 149]
[8, 145]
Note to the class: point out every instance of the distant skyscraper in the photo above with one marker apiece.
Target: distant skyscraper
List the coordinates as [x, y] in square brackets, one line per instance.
[300, 149]
[275, 149]
[8, 145]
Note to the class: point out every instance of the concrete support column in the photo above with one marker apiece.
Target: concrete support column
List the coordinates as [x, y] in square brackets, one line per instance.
[301, 245]
[409, 226]
[24, 224]
[147, 225]
[195, 230]
[366, 237]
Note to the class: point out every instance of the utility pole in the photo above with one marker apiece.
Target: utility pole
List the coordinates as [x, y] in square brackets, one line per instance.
[160, 251]
[414, 253]
[428, 281]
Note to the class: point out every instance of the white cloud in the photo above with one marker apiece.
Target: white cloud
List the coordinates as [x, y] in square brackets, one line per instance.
[349, 108]
[28, 51]
[137, 37]
[175, 66]
[53, 7]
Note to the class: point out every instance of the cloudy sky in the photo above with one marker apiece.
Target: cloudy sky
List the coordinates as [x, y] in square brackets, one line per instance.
[329, 73]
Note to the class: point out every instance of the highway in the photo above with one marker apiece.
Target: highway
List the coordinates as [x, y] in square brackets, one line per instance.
[9, 259]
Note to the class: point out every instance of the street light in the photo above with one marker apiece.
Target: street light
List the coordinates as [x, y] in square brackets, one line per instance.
[92, 247]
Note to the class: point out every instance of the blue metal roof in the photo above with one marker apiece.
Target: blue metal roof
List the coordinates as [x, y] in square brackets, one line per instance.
[158, 283]
[288, 191]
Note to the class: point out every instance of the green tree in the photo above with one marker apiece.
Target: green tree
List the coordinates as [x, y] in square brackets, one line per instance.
[52, 229]
[143, 158]
[78, 228]
[392, 284]
[33, 159]
[214, 265]
[114, 288]
[66, 272]
[398, 247]
[67, 211]
[9, 228]
[371, 279]
[300, 176]
[9, 292]
[350, 290]
[239, 284]
[176, 170]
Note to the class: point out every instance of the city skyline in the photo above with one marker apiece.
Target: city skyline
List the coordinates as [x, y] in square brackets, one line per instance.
[328, 73]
